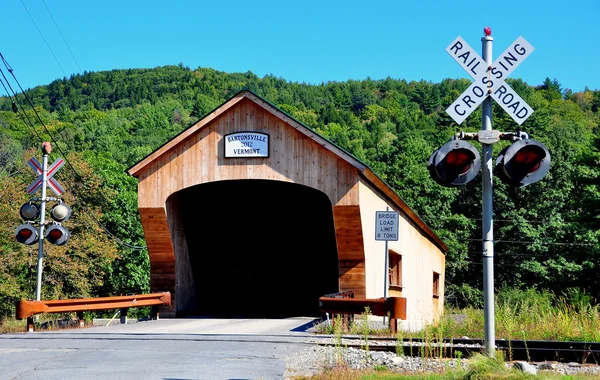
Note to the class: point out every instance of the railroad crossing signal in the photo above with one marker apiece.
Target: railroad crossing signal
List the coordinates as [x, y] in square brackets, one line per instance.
[523, 162]
[489, 81]
[455, 163]
[52, 169]
[56, 233]
[27, 234]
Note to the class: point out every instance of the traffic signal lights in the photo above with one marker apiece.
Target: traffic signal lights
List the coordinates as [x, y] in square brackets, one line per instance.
[57, 234]
[456, 163]
[27, 234]
[522, 163]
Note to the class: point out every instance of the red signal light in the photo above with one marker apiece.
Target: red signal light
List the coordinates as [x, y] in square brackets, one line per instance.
[460, 160]
[530, 157]
[455, 164]
[55, 234]
[524, 162]
[24, 234]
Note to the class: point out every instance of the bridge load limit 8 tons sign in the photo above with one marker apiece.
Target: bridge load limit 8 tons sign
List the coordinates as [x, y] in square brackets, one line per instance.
[489, 81]
[386, 225]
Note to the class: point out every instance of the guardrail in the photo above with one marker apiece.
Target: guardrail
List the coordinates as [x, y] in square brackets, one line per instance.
[392, 307]
[27, 309]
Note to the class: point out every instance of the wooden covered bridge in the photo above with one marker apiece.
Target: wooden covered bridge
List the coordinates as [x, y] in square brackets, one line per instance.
[249, 212]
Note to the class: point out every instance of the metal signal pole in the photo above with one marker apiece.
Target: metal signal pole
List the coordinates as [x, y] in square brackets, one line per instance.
[46, 149]
[487, 213]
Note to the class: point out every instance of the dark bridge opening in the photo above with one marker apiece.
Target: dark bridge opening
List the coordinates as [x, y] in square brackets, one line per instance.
[259, 248]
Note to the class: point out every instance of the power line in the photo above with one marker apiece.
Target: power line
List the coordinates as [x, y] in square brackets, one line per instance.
[79, 177]
[44, 38]
[501, 220]
[514, 254]
[18, 109]
[63, 37]
[533, 242]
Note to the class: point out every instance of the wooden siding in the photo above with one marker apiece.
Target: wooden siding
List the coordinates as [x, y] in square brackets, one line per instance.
[349, 237]
[162, 278]
[293, 157]
[156, 231]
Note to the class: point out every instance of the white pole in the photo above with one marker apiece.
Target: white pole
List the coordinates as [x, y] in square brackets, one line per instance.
[487, 215]
[46, 148]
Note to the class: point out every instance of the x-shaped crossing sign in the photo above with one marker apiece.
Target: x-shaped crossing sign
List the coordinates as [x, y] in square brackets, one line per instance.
[52, 169]
[489, 81]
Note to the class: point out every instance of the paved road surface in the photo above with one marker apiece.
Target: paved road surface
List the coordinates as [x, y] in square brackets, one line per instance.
[211, 349]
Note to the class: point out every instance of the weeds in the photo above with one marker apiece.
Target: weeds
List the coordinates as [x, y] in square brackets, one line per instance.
[337, 333]
[537, 315]
[365, 332]
[9, 326]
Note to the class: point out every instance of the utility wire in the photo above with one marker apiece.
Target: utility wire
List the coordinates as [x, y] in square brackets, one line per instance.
[500, 220]
[514, 254]
[533, 242]
[79, 177]
[18, 109]
[63, 37]
[44, 38]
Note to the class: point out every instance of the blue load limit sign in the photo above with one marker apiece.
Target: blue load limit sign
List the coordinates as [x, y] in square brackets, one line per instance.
[386, 225]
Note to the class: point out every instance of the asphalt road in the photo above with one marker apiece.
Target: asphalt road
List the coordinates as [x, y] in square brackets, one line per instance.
[209, 349]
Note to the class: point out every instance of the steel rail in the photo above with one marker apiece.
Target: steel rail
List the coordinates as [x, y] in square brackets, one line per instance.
[528, 350]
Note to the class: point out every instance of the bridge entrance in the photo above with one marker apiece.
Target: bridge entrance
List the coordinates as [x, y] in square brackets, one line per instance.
[258, 248]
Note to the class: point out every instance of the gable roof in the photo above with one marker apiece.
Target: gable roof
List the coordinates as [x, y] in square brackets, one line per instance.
[362, 168]
[245, 94]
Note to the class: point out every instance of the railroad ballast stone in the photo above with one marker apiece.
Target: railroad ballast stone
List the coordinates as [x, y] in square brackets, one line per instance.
[315, 359]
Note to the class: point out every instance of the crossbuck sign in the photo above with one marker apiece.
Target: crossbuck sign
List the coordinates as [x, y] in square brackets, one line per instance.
[52, 169]
[489, 81]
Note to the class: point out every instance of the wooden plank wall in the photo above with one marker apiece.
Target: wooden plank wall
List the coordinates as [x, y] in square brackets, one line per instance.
[294, 157]
[349, 237]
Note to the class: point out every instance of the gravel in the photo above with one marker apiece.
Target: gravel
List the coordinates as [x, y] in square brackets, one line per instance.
[314, 359]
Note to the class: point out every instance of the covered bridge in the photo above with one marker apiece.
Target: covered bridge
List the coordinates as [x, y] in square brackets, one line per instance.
[249, 212]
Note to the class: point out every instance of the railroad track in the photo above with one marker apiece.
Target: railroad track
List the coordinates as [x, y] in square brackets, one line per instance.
[530, 350]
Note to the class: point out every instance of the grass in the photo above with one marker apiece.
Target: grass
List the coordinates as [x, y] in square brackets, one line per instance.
[530, 315]
[9, 326]
[519, 315]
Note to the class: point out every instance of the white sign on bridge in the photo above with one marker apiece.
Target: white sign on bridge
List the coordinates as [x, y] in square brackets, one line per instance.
[489, 81]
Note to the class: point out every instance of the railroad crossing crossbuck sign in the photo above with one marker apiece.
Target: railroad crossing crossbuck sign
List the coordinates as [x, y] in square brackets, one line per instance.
[52, 169]
[489, 81]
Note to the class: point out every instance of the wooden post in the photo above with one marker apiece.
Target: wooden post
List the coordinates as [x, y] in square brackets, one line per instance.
[154, 314]
[30, 325]
[80, 318]
[393, 325]
[123, 319]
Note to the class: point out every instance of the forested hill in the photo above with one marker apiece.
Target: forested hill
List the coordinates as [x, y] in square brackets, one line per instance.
[103, 122]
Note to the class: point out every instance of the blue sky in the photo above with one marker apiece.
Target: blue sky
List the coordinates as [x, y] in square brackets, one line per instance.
[300, 41]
